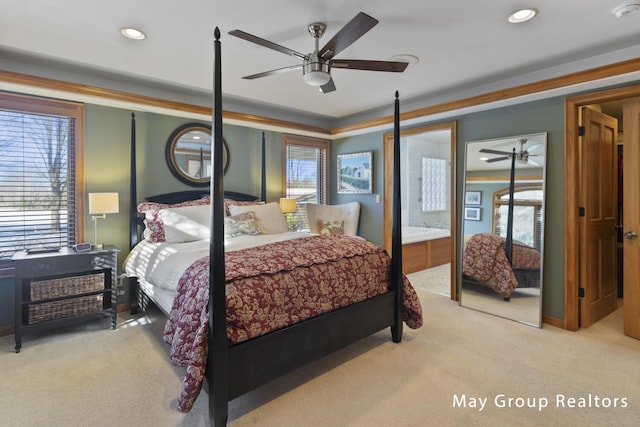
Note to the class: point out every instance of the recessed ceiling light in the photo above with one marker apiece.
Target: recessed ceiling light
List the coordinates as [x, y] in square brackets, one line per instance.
[133, 34]
[522, 15]
[625, 10]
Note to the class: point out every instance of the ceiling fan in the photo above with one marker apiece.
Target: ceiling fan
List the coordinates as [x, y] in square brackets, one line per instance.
[522, 156]
[316, 66]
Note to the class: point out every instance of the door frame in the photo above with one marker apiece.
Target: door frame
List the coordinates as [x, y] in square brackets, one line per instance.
[572, 188]
[387, 150]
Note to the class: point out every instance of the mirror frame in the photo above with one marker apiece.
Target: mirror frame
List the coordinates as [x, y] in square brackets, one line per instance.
[170, 154]
[525, 180]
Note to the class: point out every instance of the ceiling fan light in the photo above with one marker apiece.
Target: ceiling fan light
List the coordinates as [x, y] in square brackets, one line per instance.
[316, 73]
[317, 78]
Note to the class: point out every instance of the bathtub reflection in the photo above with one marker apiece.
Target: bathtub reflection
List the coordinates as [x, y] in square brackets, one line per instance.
[412, 234]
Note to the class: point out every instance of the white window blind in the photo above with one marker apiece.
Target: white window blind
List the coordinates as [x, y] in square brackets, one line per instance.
[527, 214]
[306, 164]
[37, 181]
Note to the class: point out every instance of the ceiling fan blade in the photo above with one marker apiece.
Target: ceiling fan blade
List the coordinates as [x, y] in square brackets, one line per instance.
[352, 31]
[360, 64]
[486, 150]
[498, 159]
[328, 87]
[272, 72]
[266, 43]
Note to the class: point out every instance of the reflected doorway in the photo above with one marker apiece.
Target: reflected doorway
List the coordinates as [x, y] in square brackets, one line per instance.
[428, 205]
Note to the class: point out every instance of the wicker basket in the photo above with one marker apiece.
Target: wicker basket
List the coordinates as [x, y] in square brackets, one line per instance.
[64, 308]
[65, 287]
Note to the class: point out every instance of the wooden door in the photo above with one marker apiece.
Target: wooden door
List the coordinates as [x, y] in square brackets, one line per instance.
[598, 205]
[631, 218]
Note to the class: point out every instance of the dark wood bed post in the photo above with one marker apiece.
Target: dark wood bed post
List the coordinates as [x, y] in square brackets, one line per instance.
[263, 191]
[396, 229]
[509, 240]
[217, 358]
[133, 196]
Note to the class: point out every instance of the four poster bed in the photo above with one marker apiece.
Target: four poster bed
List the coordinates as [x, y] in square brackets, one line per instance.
[292, 299]
[500, 263]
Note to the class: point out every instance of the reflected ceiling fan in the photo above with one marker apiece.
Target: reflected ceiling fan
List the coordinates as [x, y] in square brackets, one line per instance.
[523, 156]
[316, 66]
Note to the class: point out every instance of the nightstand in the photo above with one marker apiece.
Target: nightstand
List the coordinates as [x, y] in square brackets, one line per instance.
[62, 288]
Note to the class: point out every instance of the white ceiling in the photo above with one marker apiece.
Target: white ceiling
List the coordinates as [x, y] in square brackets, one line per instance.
[460, 44]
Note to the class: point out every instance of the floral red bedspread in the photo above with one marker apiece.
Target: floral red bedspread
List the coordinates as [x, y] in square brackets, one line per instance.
[273, 286]
[485, 261]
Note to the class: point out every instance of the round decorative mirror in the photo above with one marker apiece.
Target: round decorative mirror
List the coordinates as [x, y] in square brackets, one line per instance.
[188, 154]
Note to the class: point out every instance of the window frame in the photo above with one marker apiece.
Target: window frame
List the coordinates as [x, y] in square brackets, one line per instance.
[46, 106]
[536, 204]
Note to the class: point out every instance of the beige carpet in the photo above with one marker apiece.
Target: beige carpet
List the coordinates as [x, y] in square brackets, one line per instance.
[524, 305]
[436, 279]
[92, 376]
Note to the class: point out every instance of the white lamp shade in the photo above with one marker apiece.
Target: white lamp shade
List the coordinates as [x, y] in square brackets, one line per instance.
[317, 78]
[288, 205]
[103, 203]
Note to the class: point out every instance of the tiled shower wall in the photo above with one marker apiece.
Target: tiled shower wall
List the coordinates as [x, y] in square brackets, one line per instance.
[411, 158]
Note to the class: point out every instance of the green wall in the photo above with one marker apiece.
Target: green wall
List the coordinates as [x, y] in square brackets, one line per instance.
[107, 163]
[371, 212]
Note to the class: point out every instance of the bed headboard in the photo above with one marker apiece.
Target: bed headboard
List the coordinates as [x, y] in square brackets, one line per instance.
[179, 197]
[185, 196]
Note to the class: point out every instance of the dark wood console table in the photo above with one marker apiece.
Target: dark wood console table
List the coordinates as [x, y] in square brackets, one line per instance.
[64, 287]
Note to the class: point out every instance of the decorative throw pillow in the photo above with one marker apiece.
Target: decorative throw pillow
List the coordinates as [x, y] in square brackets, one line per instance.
[186, 223]
[330, 228]
[231, 202]
[154, 228]
[269, 217]
[240, 225]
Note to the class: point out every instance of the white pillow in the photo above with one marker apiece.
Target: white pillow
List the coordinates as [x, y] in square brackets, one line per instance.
[186, 223]
[269, 216]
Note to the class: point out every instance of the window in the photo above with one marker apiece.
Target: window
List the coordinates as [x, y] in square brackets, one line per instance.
[305, 175]
[527, 214]
[39, 139]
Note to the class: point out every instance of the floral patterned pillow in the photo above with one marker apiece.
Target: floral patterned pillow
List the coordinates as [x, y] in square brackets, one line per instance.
[241, 225]
[154, 227]
[330, 228]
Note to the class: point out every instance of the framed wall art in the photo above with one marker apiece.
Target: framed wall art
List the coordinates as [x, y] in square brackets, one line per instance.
[355, 173]
[472, 214]
[473, 197]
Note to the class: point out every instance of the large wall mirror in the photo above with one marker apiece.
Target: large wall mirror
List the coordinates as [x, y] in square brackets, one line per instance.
[503, 227]
[427, 156]
[188, 154]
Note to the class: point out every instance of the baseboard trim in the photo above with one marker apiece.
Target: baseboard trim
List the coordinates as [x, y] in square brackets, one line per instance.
[6, 330]
[123, 307]
[553, 321]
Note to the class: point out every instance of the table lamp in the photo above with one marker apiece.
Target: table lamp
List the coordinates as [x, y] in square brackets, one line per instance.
[288, 206]
[101, 204]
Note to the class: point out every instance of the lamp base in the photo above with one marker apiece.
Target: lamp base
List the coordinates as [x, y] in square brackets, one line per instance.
[95, 218]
